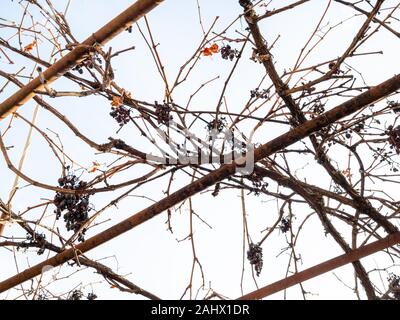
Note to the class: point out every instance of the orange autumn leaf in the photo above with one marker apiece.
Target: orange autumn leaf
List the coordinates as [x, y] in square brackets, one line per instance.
[116, 101]
[30, 46]
[207, 52]
[214, 48]
[95, 167]
[211, 50]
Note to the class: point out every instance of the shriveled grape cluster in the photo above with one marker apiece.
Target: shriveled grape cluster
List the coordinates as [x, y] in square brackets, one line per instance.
[245, 3]
[394, 138]
[217, 124]
[228, 53]
[78, 295]
[257, 93]
[89, 63]
[75, 295]
[259, 185]
[394, 105]
[394, 285]
[317, 109]
[38, 239]
[163, 113]
[76, 205]
[91, 296]
[121, 114]
[285, 224]
[255, 256]
[42, 297]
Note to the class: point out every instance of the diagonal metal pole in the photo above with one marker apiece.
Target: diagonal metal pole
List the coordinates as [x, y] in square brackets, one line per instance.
[101, 36]
[324, 267]
[345, 109]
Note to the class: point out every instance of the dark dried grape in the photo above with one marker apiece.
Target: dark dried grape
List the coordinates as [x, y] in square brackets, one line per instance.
[394, 286]
[394, 137]
[285, 225]
[38, 239]
[217, 124]
[257, 93]
[76, 205]
[163, 113]
[75, 295]
[121, 115]
[91, 296]
[255, 256]
[258, 183]
[228, 53]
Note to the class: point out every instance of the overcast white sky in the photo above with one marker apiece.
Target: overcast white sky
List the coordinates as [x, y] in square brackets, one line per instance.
[149, 255]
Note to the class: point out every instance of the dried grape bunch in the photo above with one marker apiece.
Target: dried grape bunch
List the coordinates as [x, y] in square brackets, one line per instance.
[394, 137]
[228, 53]
[359, 127]
[326, 131]
[76, 205]
[38, 239]
[91, 296]
[394, 105]
[163, 113]
[257, 93]
[245, 3]
[88, 62]
[78, 295]
[394, 286]
[258, 183]
[317, 109]
[285, 224]
[121, 115]
[217, 124]
[254, 255]
[78, 68]
[75, 295]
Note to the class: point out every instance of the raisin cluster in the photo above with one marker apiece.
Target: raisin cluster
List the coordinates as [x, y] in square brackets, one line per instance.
[317, 109]
[163, 113]
[38, 239]
[88, 63]
[257, 93]
[91, 296]
[228, 53]
[217, 124]
[359, 127]
[394, 137]
[259, 185]
[121, 114]
[285, 224]
[76, 206]
[78, 295]
[255, 256]
[75, 295]
[394, 286]
[245, 3]
[394, 105]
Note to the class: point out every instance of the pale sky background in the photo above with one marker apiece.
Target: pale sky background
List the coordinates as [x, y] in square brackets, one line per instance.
[149, 255]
